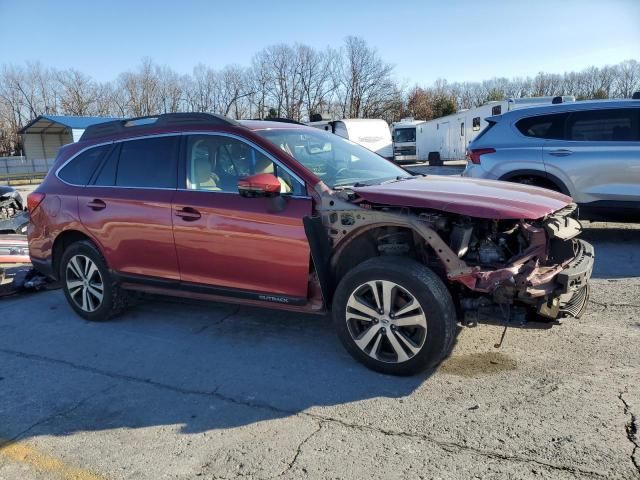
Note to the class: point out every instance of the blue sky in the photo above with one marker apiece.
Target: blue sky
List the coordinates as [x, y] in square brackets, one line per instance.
[425, 40]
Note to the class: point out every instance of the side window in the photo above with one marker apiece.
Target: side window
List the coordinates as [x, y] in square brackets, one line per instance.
[106, 174]
[497, 110]
[150, 163]
[216, 163]
[476, 124]
[543, 126]
[606, 125]
[79, 170]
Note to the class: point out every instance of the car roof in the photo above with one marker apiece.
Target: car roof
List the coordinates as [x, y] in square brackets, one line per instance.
[256, 125]
[569, 107]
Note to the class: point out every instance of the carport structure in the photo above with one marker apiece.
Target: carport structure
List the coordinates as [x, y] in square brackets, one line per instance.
[43, 136]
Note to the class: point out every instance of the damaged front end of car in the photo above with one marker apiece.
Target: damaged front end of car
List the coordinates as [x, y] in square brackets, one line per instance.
[13, 214]
[536, 264]
[512, 269]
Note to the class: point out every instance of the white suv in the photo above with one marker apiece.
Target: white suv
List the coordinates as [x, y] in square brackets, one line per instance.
[588, 150]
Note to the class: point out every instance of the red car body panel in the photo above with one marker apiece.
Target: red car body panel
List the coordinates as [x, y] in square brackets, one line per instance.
[242, 243]
[134, 230]
[463, 196]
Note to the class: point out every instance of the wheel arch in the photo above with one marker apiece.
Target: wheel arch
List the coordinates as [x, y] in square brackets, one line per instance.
[537, 173]
[63, 241]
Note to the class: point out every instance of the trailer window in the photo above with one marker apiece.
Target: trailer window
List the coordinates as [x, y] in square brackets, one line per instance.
[497, 110]
[476, 124]
[462, 129]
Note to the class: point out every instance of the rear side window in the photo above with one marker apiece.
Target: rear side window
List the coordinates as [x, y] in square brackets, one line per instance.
[543, 126]
[79, 170]
[489, 126]
[150, 163]
[607, 125]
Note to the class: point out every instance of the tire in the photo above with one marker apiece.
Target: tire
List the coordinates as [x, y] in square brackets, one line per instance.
[395, 349]
[82, 290]
[434, 159]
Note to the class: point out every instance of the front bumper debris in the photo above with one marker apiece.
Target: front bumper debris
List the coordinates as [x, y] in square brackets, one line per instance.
[578, 272]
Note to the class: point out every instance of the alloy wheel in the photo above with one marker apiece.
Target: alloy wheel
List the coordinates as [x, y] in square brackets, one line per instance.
[386, 321]
[84, 283]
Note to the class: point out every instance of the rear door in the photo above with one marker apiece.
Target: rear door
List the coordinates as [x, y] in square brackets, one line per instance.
[247, 247]
[127, 206]
[600, 154]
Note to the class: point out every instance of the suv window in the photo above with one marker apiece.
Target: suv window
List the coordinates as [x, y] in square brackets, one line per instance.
[216, 163]
[147, 163]
[613, 125]
[543, 126]
[79, 170]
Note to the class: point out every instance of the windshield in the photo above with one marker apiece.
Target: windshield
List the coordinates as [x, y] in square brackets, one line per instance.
[337, 161]
[403, 135]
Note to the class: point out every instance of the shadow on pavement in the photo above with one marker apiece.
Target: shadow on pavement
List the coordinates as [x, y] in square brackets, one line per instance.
[194, 365]
[617, 250]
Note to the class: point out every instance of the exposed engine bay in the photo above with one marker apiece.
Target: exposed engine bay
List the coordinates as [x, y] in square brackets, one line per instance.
[533, 265]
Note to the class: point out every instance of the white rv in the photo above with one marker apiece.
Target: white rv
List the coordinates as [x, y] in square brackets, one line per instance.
[447, 138]
[373, 134]
[404, 139]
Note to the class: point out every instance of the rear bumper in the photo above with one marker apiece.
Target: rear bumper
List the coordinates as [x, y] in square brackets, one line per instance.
[405, 158]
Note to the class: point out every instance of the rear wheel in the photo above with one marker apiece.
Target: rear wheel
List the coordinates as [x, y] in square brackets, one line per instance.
[87, 283]
[394, 315]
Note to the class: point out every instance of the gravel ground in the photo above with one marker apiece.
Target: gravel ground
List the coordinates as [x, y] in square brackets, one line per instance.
[195, 390]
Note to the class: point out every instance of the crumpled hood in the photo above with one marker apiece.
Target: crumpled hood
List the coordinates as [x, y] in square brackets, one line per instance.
[467, 196]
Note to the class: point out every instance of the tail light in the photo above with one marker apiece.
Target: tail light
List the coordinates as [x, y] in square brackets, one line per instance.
[34, 199]
[474, 155]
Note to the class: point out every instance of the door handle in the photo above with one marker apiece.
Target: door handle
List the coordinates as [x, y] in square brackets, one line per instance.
[188, 214]
[562, 152]
[96, 204]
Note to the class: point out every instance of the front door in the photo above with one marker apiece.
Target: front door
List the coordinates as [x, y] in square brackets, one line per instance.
[127, 207]
[224, 240]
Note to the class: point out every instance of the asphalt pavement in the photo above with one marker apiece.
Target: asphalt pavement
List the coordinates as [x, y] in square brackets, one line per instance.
[197, 390]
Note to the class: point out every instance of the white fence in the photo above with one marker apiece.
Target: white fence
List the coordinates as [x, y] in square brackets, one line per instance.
[20, 167]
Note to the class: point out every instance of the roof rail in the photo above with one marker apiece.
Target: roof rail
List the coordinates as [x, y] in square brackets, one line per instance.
[140, 124]
[278, 119]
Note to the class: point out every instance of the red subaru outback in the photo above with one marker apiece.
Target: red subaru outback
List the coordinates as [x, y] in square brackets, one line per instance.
[286, 216]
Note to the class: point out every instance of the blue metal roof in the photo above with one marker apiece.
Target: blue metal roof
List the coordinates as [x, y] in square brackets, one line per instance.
[66, 121]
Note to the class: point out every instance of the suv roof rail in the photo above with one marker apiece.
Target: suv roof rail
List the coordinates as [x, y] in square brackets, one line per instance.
[279, 119]
[143, 123]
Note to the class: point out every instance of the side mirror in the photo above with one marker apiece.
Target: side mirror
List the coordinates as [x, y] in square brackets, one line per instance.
[259, 185]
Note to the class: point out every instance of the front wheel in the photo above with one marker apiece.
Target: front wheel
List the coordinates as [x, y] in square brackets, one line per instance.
[87, 283]
[394, 315]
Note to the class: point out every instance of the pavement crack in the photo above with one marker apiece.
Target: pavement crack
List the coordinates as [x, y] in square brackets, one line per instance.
[217, 322]
[304, 441]
[631, 428]
[607, 305]
[61, 413]
[446, 445]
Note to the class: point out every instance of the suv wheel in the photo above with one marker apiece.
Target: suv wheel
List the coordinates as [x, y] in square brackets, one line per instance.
[87, 283]
[394, 315]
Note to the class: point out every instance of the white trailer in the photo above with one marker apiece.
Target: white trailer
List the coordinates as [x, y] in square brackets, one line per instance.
[373, 134]
[447, 138]
[404, 139]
